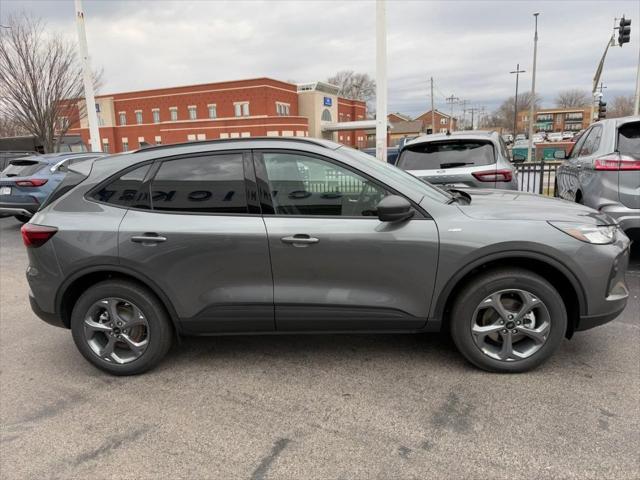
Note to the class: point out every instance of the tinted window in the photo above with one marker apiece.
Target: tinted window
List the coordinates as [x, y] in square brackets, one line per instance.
[629, 139]
[126, 189]
[303, 185]
[207, 184]
[578, 145]
[592, 143]
[448, 154]
[23, 168]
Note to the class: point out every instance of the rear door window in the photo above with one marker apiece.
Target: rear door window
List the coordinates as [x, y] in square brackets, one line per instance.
[204, 184]
[629, 139]
[592, 143]
[447, 154]
[23, 168]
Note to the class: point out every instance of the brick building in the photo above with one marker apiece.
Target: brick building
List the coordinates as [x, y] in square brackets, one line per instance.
[443, 122]
[245, 108]
[556, 119]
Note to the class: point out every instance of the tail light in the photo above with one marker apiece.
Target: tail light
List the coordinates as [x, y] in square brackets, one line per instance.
[494, 175]
[32, 182]
[616, 162]
[36, 235]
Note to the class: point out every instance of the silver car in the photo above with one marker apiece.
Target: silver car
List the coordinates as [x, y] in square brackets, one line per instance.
[603, 171]
[461, 159]
[280, 236]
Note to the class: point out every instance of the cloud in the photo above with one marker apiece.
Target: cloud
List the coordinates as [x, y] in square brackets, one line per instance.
[469, 47]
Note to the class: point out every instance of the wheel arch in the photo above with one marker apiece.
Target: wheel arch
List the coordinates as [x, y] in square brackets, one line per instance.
[80, 281]
[562, 279]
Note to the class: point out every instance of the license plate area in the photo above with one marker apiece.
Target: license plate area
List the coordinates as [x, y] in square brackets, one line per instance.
[5, 190]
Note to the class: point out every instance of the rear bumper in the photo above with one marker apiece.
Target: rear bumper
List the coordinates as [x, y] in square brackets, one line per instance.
[627, 218]
[26, 209]
[50, 318]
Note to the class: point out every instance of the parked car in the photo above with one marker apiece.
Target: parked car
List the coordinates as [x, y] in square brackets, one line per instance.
[554, 137]
[567, 135]
[520, 137]
[392, 153]
[285, 235]
[6, 156]
[27, 181]
[508, 138]
[460, 159]
[539, 137]
[603, 171]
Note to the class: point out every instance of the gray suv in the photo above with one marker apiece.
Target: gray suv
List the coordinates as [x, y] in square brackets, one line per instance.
[266, 235]
[477, 159]
[603, 171]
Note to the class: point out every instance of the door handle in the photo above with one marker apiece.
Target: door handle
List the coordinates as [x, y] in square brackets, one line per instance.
[148, 239]
[300, 240]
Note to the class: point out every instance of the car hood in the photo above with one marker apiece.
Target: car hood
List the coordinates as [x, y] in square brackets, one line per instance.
[488, 204]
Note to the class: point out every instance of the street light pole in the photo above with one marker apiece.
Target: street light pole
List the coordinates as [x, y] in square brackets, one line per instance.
[517, 71]
[90, 100]
[636, 107]
[533, 90]
[381, 80]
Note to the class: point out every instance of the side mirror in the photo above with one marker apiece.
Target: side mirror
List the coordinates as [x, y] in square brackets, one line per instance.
[394, 209]
[559, 154]
[518, 158]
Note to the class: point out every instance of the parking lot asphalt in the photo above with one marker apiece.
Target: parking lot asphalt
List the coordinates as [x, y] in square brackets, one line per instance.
[325, 407]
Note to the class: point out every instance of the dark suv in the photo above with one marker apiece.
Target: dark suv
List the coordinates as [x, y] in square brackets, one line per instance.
[298, 235]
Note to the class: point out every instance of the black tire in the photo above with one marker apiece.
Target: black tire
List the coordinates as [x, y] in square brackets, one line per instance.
[22, 218]
[486, 284]
[160, 331]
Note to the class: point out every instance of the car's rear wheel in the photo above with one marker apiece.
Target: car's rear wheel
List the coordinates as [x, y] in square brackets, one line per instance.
[508, 320]
[121, 327]
[22, 218]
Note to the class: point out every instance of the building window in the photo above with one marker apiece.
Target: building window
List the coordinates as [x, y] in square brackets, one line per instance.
[97, 108]
[158, 140]
[105, 145]
[123, 118]
[191, 137]
[193, 113]
[326, 115]
[245, 134]
[140, 140]
[201, 136]
[272, 133]
[212, 110]
[64, 123]
[156, 115]
[241, 109]
[125, 144]
[282, 109]
[138, 117]
[443, 130]
[173, 113]
[443, 121]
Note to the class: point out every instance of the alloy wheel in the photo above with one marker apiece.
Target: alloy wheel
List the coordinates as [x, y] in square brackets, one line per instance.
[116, 330]
[510, 325]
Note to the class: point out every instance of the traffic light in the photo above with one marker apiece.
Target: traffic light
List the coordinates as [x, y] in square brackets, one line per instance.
[602, 109]
[624, 31]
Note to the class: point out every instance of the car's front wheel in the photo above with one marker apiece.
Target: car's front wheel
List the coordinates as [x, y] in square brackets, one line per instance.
[121, 327]
[508, 320]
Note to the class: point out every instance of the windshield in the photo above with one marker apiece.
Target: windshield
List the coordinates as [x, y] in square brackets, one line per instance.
[446, 154]
[629, 139]
[22, 168]
[399, 175]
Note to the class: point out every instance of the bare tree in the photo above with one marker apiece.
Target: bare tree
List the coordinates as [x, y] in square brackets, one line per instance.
[572, 98]
[9, 128]
[40, 80]
[354, 86]
[621, 106]
[503, 116]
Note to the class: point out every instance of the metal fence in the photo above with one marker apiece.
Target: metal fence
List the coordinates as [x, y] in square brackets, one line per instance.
[539, 177]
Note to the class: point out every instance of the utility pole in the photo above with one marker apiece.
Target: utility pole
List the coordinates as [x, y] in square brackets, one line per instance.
[517, 71]
[473, 110]
[461, 124]
[433, 111]
[636, 107]
[451, 100]
[381, 80]
[533, 91]
[89, 96]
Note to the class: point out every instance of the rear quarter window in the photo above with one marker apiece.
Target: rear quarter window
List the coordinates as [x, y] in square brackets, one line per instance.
[125, 190]
[447, 154]
[629, 139]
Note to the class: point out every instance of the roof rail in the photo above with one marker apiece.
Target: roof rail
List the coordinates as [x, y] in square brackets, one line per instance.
[314, 141]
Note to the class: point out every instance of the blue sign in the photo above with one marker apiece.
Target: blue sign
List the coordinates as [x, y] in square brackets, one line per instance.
[327, 101]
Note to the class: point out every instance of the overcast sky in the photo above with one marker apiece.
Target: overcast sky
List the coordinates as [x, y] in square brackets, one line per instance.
[469, 47]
